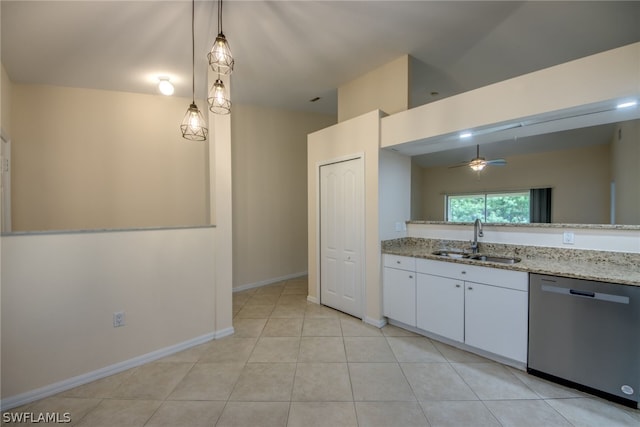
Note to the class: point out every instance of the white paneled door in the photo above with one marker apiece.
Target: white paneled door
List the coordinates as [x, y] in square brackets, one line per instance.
[342, 235]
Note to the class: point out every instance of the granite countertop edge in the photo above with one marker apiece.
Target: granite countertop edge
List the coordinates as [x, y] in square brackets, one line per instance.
[600, 270]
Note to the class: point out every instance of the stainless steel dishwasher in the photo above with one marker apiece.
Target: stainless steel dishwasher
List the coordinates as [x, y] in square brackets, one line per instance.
[586, 334]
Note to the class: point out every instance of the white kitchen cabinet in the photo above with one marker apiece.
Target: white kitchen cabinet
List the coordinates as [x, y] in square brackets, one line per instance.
[486, 308]
[496, 320]
[440, 302]
[399, 289]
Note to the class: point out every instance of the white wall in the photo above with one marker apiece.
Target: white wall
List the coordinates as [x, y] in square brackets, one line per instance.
[601, 239]
[221, 210]
[596, 78]
[269, 154]
[395, 194]
[59, 292]
[351, 137]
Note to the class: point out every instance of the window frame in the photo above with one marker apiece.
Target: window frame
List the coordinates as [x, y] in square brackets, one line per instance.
[484, 195]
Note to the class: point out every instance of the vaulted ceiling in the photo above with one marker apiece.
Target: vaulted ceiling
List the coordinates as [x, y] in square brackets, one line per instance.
[288, 52]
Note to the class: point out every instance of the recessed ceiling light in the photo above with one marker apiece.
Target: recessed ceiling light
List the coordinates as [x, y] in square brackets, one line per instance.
[465, 135]
[627, 104]
[165, 86]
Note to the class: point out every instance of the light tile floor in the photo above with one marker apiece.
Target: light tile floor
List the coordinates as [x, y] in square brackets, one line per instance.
[292, 363]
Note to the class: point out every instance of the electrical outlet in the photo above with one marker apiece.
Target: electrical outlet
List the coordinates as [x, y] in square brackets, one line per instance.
[118, 319]
[568, 238]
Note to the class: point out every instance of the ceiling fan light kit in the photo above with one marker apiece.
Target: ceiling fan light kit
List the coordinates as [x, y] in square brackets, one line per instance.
[478, 163]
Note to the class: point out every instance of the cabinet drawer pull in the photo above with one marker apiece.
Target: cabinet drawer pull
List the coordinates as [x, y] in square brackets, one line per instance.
[470, 288]
[464, 272]
[398, 262]
[458, 285]
[410, 277]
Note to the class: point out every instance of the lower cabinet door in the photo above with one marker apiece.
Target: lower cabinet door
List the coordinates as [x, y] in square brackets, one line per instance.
[399, 295]
[440, 302]
[496, 320]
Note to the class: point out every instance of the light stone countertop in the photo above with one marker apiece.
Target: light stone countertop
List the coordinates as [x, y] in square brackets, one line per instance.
[603, 266]
[536, 225]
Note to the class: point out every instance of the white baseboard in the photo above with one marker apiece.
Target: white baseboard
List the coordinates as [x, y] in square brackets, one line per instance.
[60, 386]
[378, 323]
[313, 299]
[224, 333]
[269, 281]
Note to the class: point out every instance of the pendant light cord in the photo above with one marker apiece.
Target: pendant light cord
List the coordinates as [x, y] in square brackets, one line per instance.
[220, 17]
[193, 52]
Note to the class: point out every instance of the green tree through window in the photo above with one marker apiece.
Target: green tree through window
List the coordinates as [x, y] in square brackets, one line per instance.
[512, 207]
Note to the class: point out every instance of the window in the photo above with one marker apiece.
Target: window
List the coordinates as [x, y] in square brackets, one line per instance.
[507, 207]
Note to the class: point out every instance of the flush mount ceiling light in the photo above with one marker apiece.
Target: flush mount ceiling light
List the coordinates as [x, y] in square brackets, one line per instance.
[193, 125]
[165, 86]
[220, 58]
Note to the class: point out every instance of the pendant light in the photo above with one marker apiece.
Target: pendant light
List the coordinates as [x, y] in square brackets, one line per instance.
[218, 101]
[193, 125]
[221, 62]
[220, 58]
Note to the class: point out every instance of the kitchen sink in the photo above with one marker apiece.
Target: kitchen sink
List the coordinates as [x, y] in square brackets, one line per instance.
[476, 257]
[451, 254]
[493, 258]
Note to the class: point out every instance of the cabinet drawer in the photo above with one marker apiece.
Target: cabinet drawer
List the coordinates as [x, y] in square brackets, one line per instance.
[399, 262]
[517, 280]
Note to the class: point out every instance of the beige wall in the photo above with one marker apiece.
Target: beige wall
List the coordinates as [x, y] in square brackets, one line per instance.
[59, 292]
[580, 179]
[6, 91]
[360, 135]
[269, 153]
[92, 159]
[626, 172]
[386, 88]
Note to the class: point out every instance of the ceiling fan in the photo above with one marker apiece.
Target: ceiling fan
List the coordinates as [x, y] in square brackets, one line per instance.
[479, 163]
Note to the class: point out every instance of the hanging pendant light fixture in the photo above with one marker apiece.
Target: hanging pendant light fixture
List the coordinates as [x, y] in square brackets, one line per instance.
[218, 101]
[221, 62]
[220, 58]
[193, 125]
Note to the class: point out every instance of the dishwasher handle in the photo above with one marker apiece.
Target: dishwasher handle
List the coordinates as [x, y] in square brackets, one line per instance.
[579, 293]
[582, 293]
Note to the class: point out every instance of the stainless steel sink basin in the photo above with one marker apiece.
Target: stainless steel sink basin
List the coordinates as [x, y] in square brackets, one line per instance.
[476, 257]
[451, 254]
[494, 258]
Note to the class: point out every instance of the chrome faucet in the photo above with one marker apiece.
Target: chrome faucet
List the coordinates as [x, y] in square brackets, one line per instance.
[477, 232]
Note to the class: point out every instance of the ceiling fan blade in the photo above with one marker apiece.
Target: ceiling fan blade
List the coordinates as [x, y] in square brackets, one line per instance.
[459, 165]
[497, 162]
